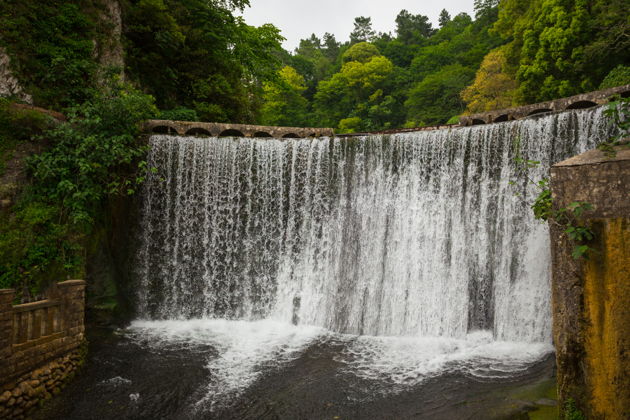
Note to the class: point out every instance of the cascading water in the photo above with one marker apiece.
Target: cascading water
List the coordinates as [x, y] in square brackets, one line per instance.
[417, 235]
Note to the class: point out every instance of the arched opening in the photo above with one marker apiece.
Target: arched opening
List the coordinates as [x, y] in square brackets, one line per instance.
[164, 129]
[199, 132]
[231, 133]
[477, 121]
[262, 134]
[313, 135]
[501, 118]
[625, 94]
[291, 136]
[582, 105]
[539, 111]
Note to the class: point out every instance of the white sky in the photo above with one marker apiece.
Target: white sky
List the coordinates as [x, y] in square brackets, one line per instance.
[298, 19]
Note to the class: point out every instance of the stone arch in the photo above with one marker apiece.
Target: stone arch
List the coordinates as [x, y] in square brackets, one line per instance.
[625, 94]
[198, 131]
[313, 135]
[477, 121]
[262, 134]
[581, 105]
[164, 129]
[502, 118]
[539, 111]
[231, 133]
[290, 136]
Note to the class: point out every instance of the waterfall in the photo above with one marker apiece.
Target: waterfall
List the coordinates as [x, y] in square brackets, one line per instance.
[414, 234]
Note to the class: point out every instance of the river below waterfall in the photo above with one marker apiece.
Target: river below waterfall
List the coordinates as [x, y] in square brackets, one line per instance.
[205, 369]
[379, 277]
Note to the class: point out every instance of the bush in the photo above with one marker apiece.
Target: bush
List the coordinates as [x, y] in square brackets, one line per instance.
[618, 76]
[94, 155]
[179, 114]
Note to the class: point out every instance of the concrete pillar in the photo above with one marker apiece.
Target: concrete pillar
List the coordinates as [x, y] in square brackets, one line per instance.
[591, 297]
[6, 327]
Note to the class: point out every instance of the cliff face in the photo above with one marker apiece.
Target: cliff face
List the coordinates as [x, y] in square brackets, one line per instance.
[590, 296]
[109, 49]
[9, 84]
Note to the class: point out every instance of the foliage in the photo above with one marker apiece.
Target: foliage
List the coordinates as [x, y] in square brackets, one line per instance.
[51, 44]
[356, 91]
[179, 114]
[560, 48]
[91, 157]
[493, 88]
[80, 168]
[283, 103]
[183, 53]
[571, 412]
[417, 75]
[363, 31]
[618, 76]
[438, 95]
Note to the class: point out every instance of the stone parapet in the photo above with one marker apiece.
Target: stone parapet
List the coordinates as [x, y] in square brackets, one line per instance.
[585, 100]
[47, 332]
[591, 314]
[187, 128]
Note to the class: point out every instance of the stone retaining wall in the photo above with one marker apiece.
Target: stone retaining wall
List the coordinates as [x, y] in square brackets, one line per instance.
[40, 346]
[591, 310]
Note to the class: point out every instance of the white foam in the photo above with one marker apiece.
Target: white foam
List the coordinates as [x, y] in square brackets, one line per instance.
[247, 350]
[407, 361]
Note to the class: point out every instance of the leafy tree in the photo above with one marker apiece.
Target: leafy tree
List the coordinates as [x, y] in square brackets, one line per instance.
[361, 52]
[331, 47]
[437, 96]
[493, 87]
[197, 54]
[411, 28]
[355, 89]
[618, 76]
[559, 48]
[283, 103]
[445, 17]
[362, 31]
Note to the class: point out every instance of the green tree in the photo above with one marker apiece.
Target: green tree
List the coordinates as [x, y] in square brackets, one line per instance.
[445, 17]
[362, 31]
[437, 97]
[355, 89]
[197, 54]
[412, 28]
[493, 87]
[283, 103]
[618, 76]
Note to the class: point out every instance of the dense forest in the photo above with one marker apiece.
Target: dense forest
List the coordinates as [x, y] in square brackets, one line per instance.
[198, 60]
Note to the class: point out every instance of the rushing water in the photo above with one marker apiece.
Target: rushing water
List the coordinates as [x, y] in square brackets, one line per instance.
[415, 242]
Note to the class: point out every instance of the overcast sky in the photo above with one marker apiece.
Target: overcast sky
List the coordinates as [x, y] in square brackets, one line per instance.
[298, 19]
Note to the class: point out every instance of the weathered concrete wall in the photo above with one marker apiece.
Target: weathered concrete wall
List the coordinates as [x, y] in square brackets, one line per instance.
[591, 297]
[584, 100]
[39, 345]
[231, 130]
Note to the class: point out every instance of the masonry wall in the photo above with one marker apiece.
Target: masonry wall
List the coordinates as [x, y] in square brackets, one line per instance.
[40, 346]
[591, 297]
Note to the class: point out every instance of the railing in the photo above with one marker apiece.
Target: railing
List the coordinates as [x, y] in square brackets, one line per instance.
[37, 322]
